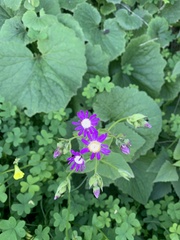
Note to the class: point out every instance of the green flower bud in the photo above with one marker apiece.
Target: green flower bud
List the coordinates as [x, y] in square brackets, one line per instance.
[138, 120]
[96, 181]
[62, 188]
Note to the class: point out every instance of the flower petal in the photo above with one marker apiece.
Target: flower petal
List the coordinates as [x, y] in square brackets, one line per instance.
[85, 141]
[75, 123]
[73, 166]
[81, 132]
[105, 151]
[79, 128]
[98, 155]
[84, 150]
[95, 134]
[102, 137]
[73, 152]
[90, 136]
[104, 145]
[80, 114]
[92, 156]
[86, 114]
[85, 132]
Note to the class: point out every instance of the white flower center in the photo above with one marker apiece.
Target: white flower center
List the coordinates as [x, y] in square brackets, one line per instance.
[94, 146]
[78, 159]
[86, 123]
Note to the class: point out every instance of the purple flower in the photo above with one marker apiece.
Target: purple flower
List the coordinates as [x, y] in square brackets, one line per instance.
[95, 146]
[125, 149]
[76, 161]
[56, 153]
[86, 124]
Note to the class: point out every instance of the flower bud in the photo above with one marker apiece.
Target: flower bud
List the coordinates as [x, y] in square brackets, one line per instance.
[125, 149]
[66, 148]
[62, 189]
[56, 153]
[96, 182]
[96, 191]
[124, 144]
[139, 120]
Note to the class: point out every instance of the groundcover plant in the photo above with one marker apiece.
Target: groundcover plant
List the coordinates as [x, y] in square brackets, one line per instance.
[89, 119]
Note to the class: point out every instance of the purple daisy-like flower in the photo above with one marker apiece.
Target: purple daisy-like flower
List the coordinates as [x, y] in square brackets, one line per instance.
[95, 145]
[86, 124]
[76, 161]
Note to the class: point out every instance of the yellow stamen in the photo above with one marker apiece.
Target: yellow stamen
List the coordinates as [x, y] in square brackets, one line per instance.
[94, 146]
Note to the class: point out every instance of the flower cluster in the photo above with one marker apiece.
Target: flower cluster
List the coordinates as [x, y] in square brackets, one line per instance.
[95, 146]
[86, 127]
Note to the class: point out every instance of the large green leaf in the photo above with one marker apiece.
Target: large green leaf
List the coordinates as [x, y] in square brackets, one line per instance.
[141, 186]
[167, 173]
[171, 12]
[50, 7]
[158, 28]
[127, 21]
[14, 30]
[97, 60]
[145, 58]
[176, 153]
[5, 13]
[176, 187]
[70, 4]
[13, 4]
[69, 21]
[123, 102]
[170, 90]
[47, 81]
[88, 18]
[114, 166]
[110, 37]
[158, 161]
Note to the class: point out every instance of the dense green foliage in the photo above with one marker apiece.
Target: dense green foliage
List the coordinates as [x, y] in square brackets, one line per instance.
[115, 58]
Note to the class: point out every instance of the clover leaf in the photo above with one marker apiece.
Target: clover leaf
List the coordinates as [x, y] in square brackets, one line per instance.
[3, 195]
[12, 229]
[25, 204]
[29, 185]
[62, 220]
[42, 234]
[14, 136]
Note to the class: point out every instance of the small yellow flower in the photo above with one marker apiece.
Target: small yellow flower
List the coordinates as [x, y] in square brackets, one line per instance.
[18, 174]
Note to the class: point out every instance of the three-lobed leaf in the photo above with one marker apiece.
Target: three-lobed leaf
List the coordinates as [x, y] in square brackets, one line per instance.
[12, 229]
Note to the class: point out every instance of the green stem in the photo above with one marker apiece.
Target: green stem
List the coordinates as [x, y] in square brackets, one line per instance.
[11, 170]
[106, 238]
[43, 213]
[67, 222]
[96, 165]
[173, 143]
[80, 184]
[120, 120]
